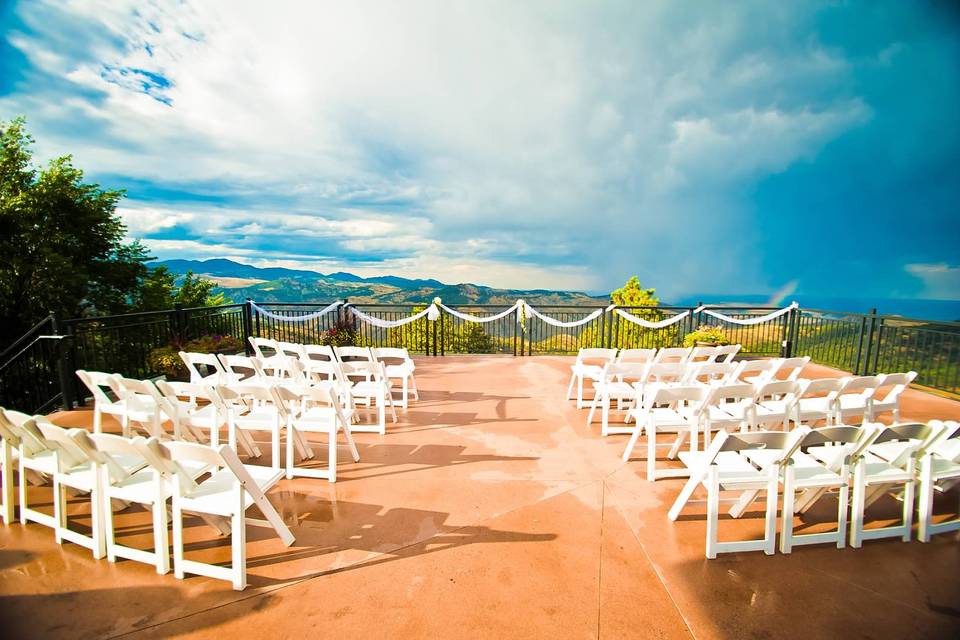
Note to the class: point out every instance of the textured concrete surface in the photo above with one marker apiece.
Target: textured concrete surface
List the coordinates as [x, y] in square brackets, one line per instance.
[490, 510]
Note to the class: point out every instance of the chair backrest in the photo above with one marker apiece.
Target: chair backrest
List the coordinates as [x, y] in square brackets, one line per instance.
[102, 447]
[208, 360]
[289, 349]
[641, 356]
[289, 399]
[601, 356]
[140, 392]
[245, 367]
[819, 388]
[96, 382]
[55, 438]
[731, 392]
[372, 368]
[786, 442]
[390, 353]
[318, 352]
[836, 435]
[238, 394]
[703, 354]
[11, 429]
[727, 352]
[259, 344]
[353, 354]
[710, 372]
[790, 368]
[176, 392]
[781, 390]
[765, 369]
[894, 384]
[673, 354]
[164, 457]
[921, 436]
[624, 371]
[692, 399]
[665, 372]
[863, 385]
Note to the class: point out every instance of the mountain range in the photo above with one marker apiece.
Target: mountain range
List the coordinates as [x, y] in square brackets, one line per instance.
[240, 281]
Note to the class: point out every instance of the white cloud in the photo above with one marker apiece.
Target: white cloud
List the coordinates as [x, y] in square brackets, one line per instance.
[469, 140]
[941, 281]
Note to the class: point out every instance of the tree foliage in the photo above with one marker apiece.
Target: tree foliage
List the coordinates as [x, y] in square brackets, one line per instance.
[160, 291]
[633, 295]
[60, 239]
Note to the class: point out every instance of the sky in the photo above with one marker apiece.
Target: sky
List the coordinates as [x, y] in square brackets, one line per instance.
[743, 148]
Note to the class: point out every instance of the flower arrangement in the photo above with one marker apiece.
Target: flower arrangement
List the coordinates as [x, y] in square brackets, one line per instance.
[166, 360]
[706, 334]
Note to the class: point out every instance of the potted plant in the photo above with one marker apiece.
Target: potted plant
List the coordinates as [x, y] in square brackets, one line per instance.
[706, 336]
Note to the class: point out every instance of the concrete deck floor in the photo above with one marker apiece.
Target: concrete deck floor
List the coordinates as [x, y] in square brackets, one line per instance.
[489, 511]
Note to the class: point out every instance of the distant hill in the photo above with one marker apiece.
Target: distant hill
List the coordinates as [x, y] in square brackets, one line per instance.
[276, 284]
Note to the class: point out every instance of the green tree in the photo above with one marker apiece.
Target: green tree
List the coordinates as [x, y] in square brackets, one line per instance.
[634, 295]
[160, 291]
[61, 241]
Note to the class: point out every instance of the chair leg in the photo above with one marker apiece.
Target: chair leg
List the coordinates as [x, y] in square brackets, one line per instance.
[857, 506]
[177, 518]
[7, 471]
[909, 490]
[925, 499]
[786, 529]
[290, 459]
[570, 386]
[332, 453]
[579, 392]
[160, 541]
[633, 441]
[403, 401]
[23, 491]
[238, 545]
[59, 509]
[843, 505]
[353, 446]
[713, 510]
[413, 386]
[651, 451]
[770, 521]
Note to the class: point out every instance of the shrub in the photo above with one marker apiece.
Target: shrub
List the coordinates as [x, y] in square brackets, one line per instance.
[706, 333]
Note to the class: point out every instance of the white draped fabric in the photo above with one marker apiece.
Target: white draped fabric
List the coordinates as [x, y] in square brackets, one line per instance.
[556, 323]
[750, 321]
[666, 322]
[306, 318]
[431, 312]
[469, 318]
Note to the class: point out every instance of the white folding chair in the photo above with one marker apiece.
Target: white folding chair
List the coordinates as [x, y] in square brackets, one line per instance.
[723, 467]
[729, 407]
[124, 475]
[144, 405]
[589, 365]
[317, 352]
[250, 407]
[855, 397]
[398, 365]
[190, 417]
[774, 403]
[11, 436]
[228, 493]
[616, 383]
[97, 382]
[374, 390]
[939, 471]
[678, 355]
[259, 344]
[873, 477]
[803, 472]
[316, 410]
[289, 349]
[892, 387]
[817, 401]
[667, 409]
[213, 373]
[353, 360]
[757, 372]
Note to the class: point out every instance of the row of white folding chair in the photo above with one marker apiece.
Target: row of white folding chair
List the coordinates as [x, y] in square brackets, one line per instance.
[372, 386]
[813, 462]
[686, 409]
[397, 362]
[590, 361]
[115, 470]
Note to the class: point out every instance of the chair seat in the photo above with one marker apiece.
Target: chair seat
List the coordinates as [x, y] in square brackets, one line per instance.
[370, 387]
[320, 419]
[399, 370]
[141, 486]
[815, 405]
[851, 402]
[891, 450]
[257, 418]
[807, 470]
[43, 461]
[727, 412]
[663, 418]
[216, 494]
[616, 389]
[880, 471]
[772, 408]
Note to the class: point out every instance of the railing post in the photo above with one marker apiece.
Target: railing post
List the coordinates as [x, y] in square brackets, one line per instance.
[247, 326]
[786, 334]
[443, 341]
[876, 350]
[434, 323]
[63, 367]
[613, 319]
[516, 331]
[860, 336]
[870, 333]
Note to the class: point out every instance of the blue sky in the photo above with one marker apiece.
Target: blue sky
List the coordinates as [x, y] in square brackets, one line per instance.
[740, 148]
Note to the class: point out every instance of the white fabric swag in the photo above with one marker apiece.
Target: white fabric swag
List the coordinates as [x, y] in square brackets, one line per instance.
[556, 323]
[666, 322]
[306, 318]
[431, 312]
[750, 321]
[471, 318]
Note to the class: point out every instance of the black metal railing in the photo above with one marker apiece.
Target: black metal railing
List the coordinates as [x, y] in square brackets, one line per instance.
[37, 370]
